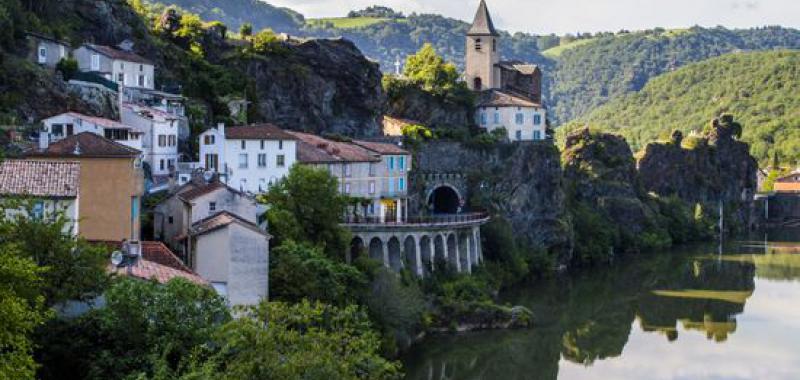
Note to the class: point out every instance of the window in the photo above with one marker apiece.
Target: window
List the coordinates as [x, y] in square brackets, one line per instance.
[348, 170]
[371, 169]
[371, 209]
[208, 139]
[519, 118]
[141, 68]
[161, 164]
[243, 161]
[494, 44]
[212, 206]
[401, 163]
[171, 163]
[42, 54]
[391, 163]
[262, 144]
[116, 134]
[38, 210]
[162, 140]
[243, 184]
[62, 51]
[483, 118]
[478, 44]
[372, 187]
[122, 66]
[497, 117]
[537, 119]
[477, 83]
[280, 161]
[519, 135]
[212, 160]
[57, 130]
[172, 140]
[537, 135]
[170, 220]
[142, 81]
[262, 185]
[95, 62]
[401, 184]
[262, 160]
[280, 144]
[347, 188]
[121, 78]
[244, 144]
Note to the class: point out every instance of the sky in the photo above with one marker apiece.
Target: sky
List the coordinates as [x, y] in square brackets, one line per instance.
[571, 16]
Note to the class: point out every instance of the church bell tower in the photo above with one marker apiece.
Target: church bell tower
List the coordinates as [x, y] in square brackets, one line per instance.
[482, 52]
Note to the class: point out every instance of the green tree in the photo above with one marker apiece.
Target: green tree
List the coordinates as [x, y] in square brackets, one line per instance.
[300, 341]
[266, 41]
[430, 71]
[246, 30]
[306, 206]
[145, 328]
[298, 271]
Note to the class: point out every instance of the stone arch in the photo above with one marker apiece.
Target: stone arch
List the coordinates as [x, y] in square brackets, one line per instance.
[376, 249]
[395, 253]
[426, 254]
[410, 253]
[439, 250]
[477, 84]
[445, 199]
[452, 251]
[357, 248]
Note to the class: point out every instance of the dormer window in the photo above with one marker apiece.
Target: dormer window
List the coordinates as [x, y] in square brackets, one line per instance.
[477, 44]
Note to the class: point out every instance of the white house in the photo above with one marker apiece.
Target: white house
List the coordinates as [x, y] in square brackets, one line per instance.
[120, 66]
[58, 127]
[509, 92]
[47, 51]
[160, 139]
[232, 254]
[52, 186]
[248, 158]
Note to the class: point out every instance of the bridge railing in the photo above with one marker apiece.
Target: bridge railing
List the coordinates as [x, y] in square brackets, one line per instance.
[445, 219]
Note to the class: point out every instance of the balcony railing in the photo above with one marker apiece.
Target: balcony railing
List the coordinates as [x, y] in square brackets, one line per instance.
[445, 219]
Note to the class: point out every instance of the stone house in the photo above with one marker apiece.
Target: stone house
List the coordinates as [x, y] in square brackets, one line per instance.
[510, 92]
[52, 186]
[117, 65]
[67, 124]
[46, 51]
[232, 254]
[111, 183]
[248, 158]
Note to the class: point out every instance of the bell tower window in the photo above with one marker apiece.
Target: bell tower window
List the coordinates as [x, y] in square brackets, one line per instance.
[478, 44]
[477, 83]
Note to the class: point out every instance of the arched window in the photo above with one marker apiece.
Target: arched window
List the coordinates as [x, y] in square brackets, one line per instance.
[477, 83]
[477, 44]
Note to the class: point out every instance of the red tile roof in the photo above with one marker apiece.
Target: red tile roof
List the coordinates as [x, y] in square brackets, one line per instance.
[519, 66]
[106, 123]
[40, 178]
[198, 190]
[157, 262]
[497, 98]
[115, 53]
[220, 220]
[381, 148]
[316, 149]
[257, 132]
[85, 144]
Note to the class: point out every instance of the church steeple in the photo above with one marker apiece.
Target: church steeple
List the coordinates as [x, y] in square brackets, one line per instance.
[482, 25]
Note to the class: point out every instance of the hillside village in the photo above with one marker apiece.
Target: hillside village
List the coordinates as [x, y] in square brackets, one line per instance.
[448, 194]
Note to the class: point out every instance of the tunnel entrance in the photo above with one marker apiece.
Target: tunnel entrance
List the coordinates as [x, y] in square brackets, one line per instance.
[444, 200]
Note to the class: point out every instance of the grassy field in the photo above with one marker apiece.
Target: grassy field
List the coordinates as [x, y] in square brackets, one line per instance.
[555, 52]
[351, 22]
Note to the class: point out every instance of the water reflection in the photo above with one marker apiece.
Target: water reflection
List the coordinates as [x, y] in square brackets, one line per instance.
[585, 322]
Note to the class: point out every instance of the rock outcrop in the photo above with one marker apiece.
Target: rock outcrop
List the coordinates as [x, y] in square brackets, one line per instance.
[435, 112]
[520, 181]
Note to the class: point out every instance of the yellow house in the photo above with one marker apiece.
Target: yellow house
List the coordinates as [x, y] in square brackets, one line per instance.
[111, 183]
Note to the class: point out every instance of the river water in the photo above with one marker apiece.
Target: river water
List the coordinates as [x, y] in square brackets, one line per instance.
[701, 312]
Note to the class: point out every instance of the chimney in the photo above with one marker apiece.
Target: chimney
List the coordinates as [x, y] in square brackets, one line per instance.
[221, 128]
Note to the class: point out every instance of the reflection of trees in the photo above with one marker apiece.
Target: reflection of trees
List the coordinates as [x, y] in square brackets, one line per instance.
[773, 266]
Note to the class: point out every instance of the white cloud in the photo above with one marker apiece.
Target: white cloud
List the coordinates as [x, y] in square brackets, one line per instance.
[570, 16]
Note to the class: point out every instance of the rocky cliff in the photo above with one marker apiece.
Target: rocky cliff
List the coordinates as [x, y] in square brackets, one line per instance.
[520, 182]
[435, 112]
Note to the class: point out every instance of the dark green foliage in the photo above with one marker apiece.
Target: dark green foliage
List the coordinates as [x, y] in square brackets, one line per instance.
[299, 271]
[594, 234]
[143, 326]
[760, 89]
[236, 13]
[68, 67]
[397, 305]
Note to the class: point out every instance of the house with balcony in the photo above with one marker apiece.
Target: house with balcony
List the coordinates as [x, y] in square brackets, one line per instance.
[58, 127]
[160, 136]
[111, 183]
[117, 64]
[52, 187]
[248, 158]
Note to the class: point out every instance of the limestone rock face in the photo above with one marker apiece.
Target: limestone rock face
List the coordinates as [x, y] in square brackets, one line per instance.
[521, 181]
[318, 86]
[429, 110]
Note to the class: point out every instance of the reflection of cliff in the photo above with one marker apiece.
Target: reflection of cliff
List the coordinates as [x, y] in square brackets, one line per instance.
[703, 295]
[775, 266]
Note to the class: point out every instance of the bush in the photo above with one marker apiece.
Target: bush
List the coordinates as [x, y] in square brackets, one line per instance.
[67, 67]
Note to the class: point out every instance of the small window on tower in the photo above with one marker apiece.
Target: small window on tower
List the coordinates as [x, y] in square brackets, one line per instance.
[477, 44]
[494, 44]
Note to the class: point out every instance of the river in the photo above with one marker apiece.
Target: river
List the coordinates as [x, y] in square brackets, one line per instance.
[690, 313]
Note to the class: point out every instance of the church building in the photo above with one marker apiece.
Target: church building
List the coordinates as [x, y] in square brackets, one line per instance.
[509, 92]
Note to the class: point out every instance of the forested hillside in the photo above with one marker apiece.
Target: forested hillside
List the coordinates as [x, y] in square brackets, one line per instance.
[234, 13]
[760, 88]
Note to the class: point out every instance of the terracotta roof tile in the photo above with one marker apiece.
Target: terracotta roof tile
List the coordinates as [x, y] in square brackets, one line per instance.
[220, 220]
[85, 144]
[257, 132]
[115, 53]
[381, 148]
[39, 178]
[497, 98]
[197, 191]
[316, 149]
[103, 122]
[157, 262]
